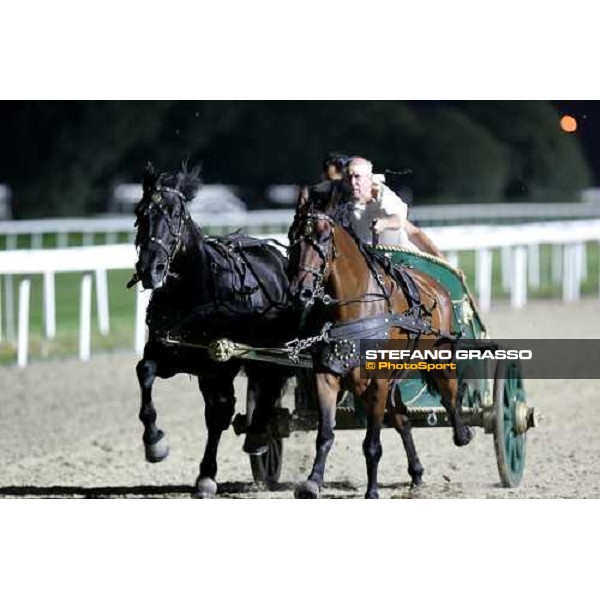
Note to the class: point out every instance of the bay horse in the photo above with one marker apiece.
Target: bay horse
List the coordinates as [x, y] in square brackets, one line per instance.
[336, 279]
[206, 288]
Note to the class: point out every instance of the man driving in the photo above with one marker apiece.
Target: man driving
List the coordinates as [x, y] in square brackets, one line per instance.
[378, 209]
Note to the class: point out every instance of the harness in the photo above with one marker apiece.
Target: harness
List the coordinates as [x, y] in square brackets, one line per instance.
[233, 273]
[230, 263]
[336, 348]
[156, 203]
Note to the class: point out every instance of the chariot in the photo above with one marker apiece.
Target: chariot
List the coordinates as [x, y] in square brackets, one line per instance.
[492, 393]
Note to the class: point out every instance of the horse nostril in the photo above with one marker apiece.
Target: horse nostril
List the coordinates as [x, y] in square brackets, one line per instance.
[160, 267]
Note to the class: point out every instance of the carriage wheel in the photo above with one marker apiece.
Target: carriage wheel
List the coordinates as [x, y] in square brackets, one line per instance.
[510, 427]
[266, 468]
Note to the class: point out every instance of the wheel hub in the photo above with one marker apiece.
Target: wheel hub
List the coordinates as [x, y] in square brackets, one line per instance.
[525, 417]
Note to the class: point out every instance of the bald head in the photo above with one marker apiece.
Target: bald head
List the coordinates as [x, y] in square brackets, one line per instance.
[358, 163]
[360, 178]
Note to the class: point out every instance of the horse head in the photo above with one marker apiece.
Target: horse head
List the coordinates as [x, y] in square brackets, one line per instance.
[162, 218]
[311, 252]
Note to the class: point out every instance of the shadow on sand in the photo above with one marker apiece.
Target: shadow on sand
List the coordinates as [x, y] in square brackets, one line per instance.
[157, 491]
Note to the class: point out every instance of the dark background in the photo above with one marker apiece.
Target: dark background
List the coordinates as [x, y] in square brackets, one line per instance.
[63, 158]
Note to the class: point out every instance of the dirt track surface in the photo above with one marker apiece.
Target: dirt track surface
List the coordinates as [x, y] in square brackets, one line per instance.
[70, 429]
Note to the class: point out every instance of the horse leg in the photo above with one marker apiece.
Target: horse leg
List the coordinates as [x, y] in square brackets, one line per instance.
[401, 423]
[155, 442]
[328, 387]
[375, 398]
[264, 390]
[448, 388]
[219, 406]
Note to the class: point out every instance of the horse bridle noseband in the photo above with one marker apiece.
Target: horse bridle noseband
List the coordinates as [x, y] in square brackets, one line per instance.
[156, 202]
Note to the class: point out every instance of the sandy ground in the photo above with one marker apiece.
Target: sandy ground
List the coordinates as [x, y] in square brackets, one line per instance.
[70, 429]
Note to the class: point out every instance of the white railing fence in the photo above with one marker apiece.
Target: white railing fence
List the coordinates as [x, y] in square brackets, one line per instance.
[520, 262]
[108, 229]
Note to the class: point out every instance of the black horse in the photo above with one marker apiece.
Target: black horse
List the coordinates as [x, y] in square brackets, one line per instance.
[207, 288]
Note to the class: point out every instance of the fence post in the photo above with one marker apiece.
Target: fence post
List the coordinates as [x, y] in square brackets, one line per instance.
[49, 306]
[85, 318]
[23, 341]
[518, 292]
[102, 301]
[580, 262]
[571, 270]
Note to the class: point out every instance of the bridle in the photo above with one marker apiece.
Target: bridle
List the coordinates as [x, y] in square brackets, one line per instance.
[156, 203]
[326, 250]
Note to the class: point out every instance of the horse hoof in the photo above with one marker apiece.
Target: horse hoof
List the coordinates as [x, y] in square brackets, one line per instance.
[417, 481]
[309, 490]
[256, 443]
[372, 495]
[205, 488]
[416, 475]
[157, 452]
[466, 436]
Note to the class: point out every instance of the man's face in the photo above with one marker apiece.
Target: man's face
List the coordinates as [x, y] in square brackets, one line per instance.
[361, 182]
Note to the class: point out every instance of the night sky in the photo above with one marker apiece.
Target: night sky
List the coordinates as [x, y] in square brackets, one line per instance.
[587, 113]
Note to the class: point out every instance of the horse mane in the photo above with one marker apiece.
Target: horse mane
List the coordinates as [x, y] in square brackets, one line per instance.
[188, 182]
[332, 199]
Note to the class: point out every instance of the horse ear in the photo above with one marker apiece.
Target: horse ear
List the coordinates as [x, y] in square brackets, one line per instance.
[149, 180]
[302, 197]
[188, 183]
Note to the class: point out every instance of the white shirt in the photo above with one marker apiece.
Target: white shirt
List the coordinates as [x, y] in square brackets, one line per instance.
[386, 205]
